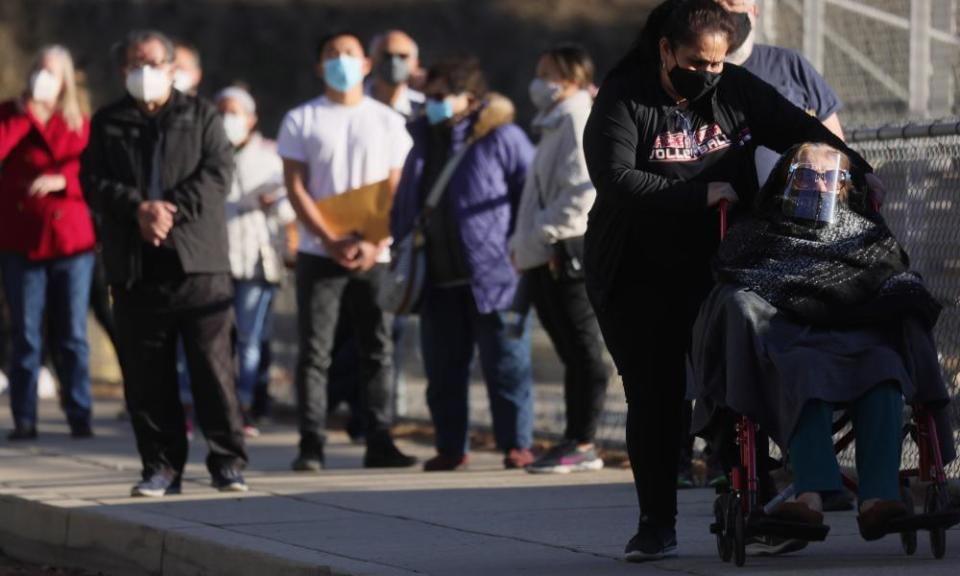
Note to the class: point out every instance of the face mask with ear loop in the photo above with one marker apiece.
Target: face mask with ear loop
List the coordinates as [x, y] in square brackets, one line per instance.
[44, 87]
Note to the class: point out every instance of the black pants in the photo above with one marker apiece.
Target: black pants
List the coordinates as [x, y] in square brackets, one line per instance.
[569, 319]
[646, 325]
[321, 287]
[150, 318]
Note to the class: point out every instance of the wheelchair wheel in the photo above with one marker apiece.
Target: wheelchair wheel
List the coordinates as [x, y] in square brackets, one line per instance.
[936, 502]
[908, 540]
[724, 550]
[738, 537]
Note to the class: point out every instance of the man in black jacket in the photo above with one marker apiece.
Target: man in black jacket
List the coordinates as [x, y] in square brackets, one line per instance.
[157, 171]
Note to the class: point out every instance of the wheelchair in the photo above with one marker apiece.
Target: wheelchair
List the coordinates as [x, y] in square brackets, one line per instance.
[739, 515]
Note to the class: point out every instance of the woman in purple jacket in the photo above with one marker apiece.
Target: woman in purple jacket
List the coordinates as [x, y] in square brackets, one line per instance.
[469, 300]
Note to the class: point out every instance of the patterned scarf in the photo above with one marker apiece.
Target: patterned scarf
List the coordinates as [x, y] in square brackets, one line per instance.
[852, 272]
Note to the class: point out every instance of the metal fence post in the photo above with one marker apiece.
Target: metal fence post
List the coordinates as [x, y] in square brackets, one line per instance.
[813, 12]
[920, 58]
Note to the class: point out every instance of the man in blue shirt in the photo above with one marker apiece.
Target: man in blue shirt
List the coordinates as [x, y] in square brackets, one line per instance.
[787, 71]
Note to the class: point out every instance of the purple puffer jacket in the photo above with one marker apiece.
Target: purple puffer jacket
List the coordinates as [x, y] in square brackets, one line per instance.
[485, 191]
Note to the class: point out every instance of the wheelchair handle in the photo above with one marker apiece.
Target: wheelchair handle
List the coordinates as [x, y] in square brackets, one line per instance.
[724, 207]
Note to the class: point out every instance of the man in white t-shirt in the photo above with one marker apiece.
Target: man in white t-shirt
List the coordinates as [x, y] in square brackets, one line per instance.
[332, 144]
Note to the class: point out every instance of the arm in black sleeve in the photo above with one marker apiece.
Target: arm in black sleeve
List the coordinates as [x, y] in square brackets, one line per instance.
[610, 145]
[212, 176]
[104, 194]
[777, 124]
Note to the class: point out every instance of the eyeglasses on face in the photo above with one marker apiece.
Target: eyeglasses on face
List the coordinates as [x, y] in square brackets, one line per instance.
[807, 176]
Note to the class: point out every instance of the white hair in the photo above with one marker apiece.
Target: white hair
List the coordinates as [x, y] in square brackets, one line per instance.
[240, 95]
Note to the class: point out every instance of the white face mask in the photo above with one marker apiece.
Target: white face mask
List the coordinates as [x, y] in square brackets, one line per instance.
[235, 125]
[183, 81]
[148, 84]
[44, 86]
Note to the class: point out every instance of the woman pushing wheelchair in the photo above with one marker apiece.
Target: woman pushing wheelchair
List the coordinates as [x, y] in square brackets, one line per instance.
[815, 310]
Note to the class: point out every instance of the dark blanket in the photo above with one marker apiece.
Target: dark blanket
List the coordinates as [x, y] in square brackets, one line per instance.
[851, 273]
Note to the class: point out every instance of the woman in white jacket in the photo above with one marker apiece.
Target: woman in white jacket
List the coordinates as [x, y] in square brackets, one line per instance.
[548, 247]
[257, 210]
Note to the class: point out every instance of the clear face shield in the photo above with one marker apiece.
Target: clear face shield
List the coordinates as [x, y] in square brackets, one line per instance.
[813, 189]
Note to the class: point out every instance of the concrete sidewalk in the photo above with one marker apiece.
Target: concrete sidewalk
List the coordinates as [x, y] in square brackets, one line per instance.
[64, 500]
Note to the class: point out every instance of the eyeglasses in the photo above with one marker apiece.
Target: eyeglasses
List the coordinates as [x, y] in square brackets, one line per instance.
[807, 176]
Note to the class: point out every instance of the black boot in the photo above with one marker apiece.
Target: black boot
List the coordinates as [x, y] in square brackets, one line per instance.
[383, 453]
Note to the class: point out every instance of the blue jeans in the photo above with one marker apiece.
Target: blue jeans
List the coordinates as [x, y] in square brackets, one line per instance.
[29, 286]
[877, 419]
[450, 328]
[252, 299]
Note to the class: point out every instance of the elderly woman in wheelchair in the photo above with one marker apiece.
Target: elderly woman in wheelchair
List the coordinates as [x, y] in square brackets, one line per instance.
[816, 309]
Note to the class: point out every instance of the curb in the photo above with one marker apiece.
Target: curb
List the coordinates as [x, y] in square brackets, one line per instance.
[122, 541]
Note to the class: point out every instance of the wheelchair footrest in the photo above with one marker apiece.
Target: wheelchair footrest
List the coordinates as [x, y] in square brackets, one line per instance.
[943, 519]
[763, 525]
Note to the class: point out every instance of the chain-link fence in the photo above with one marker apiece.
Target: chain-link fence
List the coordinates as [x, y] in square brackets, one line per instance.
[888, 60]
[920, 166]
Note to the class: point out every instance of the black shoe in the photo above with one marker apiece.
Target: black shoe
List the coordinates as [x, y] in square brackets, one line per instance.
[81, 430]
[228, 480]
[156, 486]
[651, 543]
[308, 462]
[773, 545]
[383, 453]
[22, 433]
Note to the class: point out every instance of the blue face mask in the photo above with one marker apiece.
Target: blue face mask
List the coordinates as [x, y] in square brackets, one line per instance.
[439, 111]
[342, 73]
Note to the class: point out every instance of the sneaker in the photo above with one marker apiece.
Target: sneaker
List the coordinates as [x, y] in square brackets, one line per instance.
[773, 545]
[229, 480]
[565, 458]
[250, 431]
[651, 543]
[81, 430]
[307, 462]
[156, 486]
[383, 453]
[444, 463]
[716, 479]
[22, 433]
[518, 458]
[685, 481]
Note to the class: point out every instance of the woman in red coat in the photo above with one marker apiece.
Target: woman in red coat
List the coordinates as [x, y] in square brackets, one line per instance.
[46, 239]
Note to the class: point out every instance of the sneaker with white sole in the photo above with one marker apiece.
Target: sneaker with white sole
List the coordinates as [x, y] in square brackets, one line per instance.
[229, 480]
[566, 458]
[156, 485]
[773, 545]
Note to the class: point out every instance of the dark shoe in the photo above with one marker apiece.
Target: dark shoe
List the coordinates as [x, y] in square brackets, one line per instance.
[444, 463]
[873, 523]
[773, 545]
[22, 433]
[156, 486]
[383, 453]
[81, 430]
[518, 458]
[308, 462]
[837, 501]
[565, 458]
[651, 543]
[716, 478]
[228, 480]
[798, 512]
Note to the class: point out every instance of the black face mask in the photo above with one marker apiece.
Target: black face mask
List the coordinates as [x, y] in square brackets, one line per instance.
[742, 29]
[394, 70]
[693, 84]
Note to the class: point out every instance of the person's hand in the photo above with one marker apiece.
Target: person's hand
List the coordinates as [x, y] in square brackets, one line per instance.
[155, 218]
[369, 252]
[738, 5]
[875, 190]
[344, 251]
[717, 191]
[267, 200]
[46, 184]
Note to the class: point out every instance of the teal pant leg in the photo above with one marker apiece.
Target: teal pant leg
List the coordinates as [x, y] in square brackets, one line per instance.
[815, 468]
[877, 423]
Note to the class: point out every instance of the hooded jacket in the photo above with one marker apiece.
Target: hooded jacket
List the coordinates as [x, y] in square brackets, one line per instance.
[196, 162]
[558, 193]
[483, 195]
